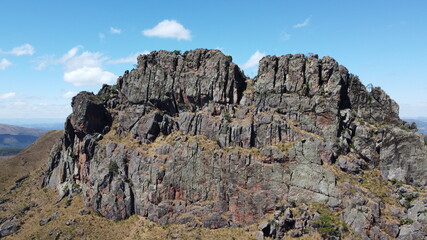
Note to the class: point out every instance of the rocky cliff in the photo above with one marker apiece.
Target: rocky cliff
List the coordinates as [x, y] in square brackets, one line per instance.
[189, 139]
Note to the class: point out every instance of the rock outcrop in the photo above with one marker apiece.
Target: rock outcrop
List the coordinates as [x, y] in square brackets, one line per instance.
[189, 139]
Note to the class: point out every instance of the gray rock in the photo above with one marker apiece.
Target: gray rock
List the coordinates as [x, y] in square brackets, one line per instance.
[44, 221]
[356, 220]
[52, 231]
[171, 81]
[187, 138]
[346, 165]
[70, 221]
[296, 233]
[4, 200]
[58, 235]
[264, 226]
[84, 212]
[9, 227]
[403, 156]
[89, 114]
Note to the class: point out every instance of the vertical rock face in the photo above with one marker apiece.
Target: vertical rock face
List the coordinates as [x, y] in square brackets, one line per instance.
[89, 114]
[187, 138]
[195, 78]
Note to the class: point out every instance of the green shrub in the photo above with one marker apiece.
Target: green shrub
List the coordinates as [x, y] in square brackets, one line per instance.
[327, 226]
[65, 188]
[68, 202]
[227, 117]
[76, 188]
[406, 221]
[410, 196]
[393, 181]
[113, 167]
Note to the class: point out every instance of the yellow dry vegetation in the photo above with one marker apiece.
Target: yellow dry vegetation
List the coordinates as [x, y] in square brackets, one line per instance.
[12, 168]
[31, 203]
[294, 126]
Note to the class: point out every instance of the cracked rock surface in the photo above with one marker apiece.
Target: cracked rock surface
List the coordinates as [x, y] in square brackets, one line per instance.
[189, 139]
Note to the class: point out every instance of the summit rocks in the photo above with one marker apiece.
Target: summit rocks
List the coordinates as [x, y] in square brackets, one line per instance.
[195, 78]
[189, 139]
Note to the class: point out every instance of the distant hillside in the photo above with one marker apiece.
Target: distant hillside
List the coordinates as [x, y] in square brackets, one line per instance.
[45, 126]
[36, 123]
[30, 159]
[13, 138]
[15, 130]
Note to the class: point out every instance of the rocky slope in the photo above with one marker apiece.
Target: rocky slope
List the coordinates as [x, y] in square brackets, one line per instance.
[189, 139]
[28, 211]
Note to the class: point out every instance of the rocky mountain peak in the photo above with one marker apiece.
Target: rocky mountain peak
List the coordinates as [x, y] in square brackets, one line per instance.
[194, 78]
[189, 139]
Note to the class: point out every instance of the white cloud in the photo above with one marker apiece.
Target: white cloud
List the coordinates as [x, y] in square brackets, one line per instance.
[253, 60]
[25, 49]
[20, 103]
[44, 61]
[303, 24]
[85, 69]
[7, 95]
[69, 94]
[129, 59]
[70, 54]
[89, 76]
[115, 30]
[86, 59]
[168, 29]
[4, 63]
[22, 109]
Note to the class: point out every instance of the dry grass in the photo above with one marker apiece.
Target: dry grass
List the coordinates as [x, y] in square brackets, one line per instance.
[3, 158]
[30, 159]
[96, 227]
[294, 126]
[30, 203]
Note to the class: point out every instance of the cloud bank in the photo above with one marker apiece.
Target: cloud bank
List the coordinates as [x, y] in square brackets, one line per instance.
[85, 69]
[7, 95]
[26, 49]
[168, 29]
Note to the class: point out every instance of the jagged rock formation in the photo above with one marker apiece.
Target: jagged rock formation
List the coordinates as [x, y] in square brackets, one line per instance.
[190, 139]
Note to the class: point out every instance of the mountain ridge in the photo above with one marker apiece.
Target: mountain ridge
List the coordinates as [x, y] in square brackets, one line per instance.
[13, 138]
[189, 139]
[17, 130]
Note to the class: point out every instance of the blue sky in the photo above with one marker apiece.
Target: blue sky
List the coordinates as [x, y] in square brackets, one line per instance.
[50, 50]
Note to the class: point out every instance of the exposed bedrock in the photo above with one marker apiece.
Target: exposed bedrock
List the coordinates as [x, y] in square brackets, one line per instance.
[188, 138]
